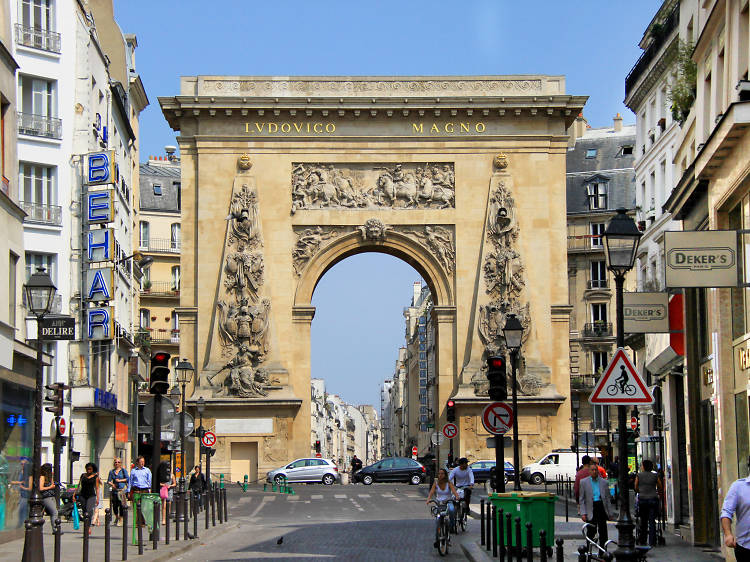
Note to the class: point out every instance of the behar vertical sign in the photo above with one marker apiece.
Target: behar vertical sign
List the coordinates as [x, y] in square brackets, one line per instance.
[701, 259]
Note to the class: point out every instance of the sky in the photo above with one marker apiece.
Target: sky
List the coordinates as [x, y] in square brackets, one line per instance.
[359, 322]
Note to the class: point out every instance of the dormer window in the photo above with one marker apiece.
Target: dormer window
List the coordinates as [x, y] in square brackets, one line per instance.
[590, 153]
[596, 192]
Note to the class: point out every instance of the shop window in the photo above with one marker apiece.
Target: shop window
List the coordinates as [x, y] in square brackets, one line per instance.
[742, 429]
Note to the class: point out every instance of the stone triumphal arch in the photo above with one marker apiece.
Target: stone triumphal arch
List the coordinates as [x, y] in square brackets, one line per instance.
[461, 177]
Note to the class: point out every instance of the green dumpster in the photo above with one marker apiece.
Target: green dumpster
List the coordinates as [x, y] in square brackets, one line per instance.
[146, 501]
[538, 508]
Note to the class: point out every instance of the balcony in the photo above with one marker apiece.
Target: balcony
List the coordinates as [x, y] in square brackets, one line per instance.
[42, 214]
[39, 126]
[585, 242]
[160, 289]
[583, 382]
[597, 330]
[160, 245]
[38, 38]
[660, 33]
[163, 337]
[597, 284]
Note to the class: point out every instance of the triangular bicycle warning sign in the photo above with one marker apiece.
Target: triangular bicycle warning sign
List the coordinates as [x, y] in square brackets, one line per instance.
[621, 384]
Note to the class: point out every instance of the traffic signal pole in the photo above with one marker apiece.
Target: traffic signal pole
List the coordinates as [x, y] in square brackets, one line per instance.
[499, 464]
[156, 444]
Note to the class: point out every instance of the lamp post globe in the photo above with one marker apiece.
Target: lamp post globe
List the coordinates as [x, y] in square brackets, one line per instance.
[513, 334]
[621, 239]
[40, 293]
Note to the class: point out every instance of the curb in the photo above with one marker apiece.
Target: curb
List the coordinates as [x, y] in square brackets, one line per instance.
[474, 552]
[166, 556]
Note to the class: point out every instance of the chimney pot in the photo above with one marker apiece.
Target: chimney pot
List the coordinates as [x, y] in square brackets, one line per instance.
[618, 123]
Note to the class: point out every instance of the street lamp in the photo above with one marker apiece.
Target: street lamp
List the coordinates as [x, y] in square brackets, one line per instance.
[40, 293]
[621, 242]
[513, 333]
[184, 372]
[201, 407]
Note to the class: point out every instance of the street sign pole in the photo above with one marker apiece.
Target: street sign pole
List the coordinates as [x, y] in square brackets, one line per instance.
[499, 464]
[156, 444]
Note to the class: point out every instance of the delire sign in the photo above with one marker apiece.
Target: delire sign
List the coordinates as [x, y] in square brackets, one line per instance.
[701, 259]
[58, 328]
[646, 313]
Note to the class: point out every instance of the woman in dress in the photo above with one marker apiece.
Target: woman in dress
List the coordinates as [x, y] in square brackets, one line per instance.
[88, 488]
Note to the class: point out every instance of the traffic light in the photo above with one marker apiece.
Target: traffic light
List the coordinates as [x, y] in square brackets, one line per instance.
[317, 446]
[56, 398]
[497, 375]
[159, 381]
[450, 411]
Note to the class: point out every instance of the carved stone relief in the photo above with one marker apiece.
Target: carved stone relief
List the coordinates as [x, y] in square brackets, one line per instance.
[309, 241]
[439, 240]
[275, 446]
[358, 186]
[243, 314]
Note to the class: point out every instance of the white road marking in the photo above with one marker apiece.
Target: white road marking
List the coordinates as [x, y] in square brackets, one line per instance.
[262, 503]
[364, 495]
[387, 495]
[316, 497]
[340, 496]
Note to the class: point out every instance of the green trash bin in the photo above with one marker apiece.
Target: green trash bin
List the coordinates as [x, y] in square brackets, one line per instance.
[538, 508]
[147, 509]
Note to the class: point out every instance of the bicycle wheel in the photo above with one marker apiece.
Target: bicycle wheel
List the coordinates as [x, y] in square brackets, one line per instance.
[443, 535]
[463, 517]
[630, 390]
[612, 389]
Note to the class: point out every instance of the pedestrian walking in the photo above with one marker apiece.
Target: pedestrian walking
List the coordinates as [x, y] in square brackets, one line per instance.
[583, 472]
[648, 487]
[140, 482]
[197, 483]
[356, 466]
[89, 487]
[118, 488]
[593, 508]
[47, 487]
[167, 483]
[737, 504]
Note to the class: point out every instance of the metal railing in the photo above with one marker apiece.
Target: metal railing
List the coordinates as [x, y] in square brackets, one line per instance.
[162, 336]
[585, 242]
[597, 284]
[160, 245]
[38, 38]
[160, 288]
[39, 126]
[597, 329]
[45, 214]
[582, 382]
[664, 31]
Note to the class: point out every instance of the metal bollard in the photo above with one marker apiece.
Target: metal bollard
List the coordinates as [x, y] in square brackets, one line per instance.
[157, 520]
[196, 509]
[501, 535]
[481, 518]
[58, 532]
[124, 532]
[107, 538]
[543, 546]
[138, 519]
[581, 553]
[184, 501]
[488, 526]
[224, 502]
[519, 542]
[529, 542]
[494, 531]
[166, 525]
[86, 528]
[213, 505]
[175, 519]
[559, 551]
[205, 500]
[565, 499]
[217, 492]
[509, 535]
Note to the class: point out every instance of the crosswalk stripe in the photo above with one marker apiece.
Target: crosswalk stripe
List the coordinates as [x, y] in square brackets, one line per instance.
[363, 495]
[340, 496]
[316, 497]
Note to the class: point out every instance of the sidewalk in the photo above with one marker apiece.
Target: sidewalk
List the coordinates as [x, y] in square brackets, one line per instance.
[72, 543]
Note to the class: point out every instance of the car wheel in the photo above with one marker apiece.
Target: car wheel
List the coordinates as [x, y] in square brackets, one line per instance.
[367, 480]
[328, 479]
[505, 479]
[278, 479]
[536, 479]
[415, 480]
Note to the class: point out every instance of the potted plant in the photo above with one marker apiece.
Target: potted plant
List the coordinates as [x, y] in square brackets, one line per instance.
[147, 285]
[683, 89]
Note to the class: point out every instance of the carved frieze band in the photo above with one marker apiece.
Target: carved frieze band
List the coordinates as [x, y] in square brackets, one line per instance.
[426, 185]
[439, 240]
[371, 87]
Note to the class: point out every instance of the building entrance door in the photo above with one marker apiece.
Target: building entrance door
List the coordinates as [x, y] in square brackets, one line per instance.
[244, 460]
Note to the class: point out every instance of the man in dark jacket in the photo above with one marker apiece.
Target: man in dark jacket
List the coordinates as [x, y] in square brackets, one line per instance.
[197, 483]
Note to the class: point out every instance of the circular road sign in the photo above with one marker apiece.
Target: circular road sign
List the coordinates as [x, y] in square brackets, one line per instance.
[437, 438]
[450, 430]
[167, 411]
[497, 418]
[633, 423]
[209, 439]
[414, 450]
[61, 427]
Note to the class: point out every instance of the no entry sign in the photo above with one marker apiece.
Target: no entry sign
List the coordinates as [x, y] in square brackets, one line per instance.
[497, 418]
[450, 430]
[61, 427]
[209, 439]
[633, 423]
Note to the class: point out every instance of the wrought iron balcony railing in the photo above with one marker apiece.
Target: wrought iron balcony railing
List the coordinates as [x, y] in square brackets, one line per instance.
[39, 126]
[597, 329]
[45, 214]
[660, 33]
[596, 284]
[160, 288]
[38, 38]
[583, 382]
[161, 245]
[585, 242]
[163, 337]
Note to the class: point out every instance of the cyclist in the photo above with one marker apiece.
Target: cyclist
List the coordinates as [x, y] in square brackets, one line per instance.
[463, 478]
[444, 491]
[623, 379]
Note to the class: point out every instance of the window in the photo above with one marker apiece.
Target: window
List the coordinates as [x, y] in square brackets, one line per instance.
[550, 459]
[157, 189]
[47, 261]
[599, 312]
[599, 361]
[36, 25]
[597, 231]
[12, 272]
[50, 348]
[38, 96]
[176, 278]
[145, 318]
[601, 416]
[143, 229]
[175, 236]
[597, 195]
[590, 153]
[626, 150]
[598, 274]
[37, 183]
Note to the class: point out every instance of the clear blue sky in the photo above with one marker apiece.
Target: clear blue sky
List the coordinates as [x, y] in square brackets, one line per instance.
[594, 43]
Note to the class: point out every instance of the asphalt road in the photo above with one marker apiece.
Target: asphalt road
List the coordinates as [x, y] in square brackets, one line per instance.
[354, 522]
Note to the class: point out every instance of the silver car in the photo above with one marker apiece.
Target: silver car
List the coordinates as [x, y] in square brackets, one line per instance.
[306, 470]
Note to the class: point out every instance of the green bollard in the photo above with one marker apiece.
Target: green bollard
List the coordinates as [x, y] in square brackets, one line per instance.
[264, 486]
[244, 484]
[221, 481]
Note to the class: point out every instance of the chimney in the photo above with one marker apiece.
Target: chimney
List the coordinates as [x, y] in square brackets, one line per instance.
[577, 129]
[618, 123]
[417, 291]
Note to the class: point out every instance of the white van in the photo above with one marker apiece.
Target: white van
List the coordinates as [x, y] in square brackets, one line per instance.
[560, 464]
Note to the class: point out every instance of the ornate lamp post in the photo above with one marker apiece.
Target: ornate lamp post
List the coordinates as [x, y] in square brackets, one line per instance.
[40, 292]
[621, 242]
[201, 407]
[513, 333]
[184, 372]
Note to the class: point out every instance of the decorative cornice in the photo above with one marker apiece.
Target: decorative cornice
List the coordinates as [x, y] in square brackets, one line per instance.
[303, 314]
[444, 314]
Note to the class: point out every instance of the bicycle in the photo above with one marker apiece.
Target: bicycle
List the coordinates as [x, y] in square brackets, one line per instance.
[442, 526]
[613, 389]
[602, 554]
[462, 510]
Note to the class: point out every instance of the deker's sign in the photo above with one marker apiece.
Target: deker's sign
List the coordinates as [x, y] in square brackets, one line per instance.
[646, 313]
[701, 259]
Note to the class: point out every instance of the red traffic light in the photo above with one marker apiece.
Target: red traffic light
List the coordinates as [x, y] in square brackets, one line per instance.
[497, 362]
[450, 403]
[160, 357]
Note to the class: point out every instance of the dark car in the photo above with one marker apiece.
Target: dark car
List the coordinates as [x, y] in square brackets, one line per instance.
[392, 469]
[481, 470]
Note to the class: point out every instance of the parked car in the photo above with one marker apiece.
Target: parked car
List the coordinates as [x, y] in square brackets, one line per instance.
[392, 469]
[481, 470]
[560, 464]
[306, 470]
